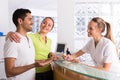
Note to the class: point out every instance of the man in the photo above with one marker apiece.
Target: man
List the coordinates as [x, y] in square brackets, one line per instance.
[20, 57]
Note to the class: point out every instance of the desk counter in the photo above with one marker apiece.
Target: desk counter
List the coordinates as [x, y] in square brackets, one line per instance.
[64, 70]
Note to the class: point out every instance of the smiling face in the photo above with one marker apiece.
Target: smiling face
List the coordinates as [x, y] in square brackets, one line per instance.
[27, 22]
[46, 25]
[93, 30]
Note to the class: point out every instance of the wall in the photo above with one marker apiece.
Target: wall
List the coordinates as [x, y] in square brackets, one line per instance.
[3, 28]
[66, 23]
[2, 70]
[4, 16]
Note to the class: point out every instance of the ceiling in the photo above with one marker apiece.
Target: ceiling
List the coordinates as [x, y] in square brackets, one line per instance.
[33, 4]
[49, 5]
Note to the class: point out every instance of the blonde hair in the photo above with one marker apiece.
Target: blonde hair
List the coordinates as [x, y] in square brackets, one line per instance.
[103, 24]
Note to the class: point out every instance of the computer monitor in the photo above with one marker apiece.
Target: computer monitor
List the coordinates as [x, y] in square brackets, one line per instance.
[60, 47]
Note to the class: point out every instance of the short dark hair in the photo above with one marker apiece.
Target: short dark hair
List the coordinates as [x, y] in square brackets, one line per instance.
[19, 13]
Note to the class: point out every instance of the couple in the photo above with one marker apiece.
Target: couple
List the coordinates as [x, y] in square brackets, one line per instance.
[28, 51]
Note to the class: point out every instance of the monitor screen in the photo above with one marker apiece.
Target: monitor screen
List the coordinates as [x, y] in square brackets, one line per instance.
[60, 47]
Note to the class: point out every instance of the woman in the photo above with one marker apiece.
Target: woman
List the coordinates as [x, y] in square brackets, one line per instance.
[101, 48]
[42, 46]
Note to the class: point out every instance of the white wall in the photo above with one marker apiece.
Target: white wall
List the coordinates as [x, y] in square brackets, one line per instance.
[4, 16]
[3, 28]
[97, 1]
[2, 70]
[66, 23]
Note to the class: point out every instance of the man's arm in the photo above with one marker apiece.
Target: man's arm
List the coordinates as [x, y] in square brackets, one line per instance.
[44, 62]
[11, 70]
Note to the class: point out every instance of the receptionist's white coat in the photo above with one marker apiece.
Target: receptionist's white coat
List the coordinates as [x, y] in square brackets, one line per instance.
[104, 52]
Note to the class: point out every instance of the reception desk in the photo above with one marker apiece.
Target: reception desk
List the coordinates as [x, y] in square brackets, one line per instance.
[64, 70]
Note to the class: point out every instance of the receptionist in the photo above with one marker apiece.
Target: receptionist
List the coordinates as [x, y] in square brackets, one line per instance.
[101, 47]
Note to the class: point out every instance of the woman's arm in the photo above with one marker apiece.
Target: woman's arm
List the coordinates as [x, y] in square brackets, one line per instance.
[77, 54]
[53, 56]
[106, 67]
[13, 37]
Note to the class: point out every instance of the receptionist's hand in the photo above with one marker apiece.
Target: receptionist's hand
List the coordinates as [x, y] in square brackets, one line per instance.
[75, 60]
[67, 57]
